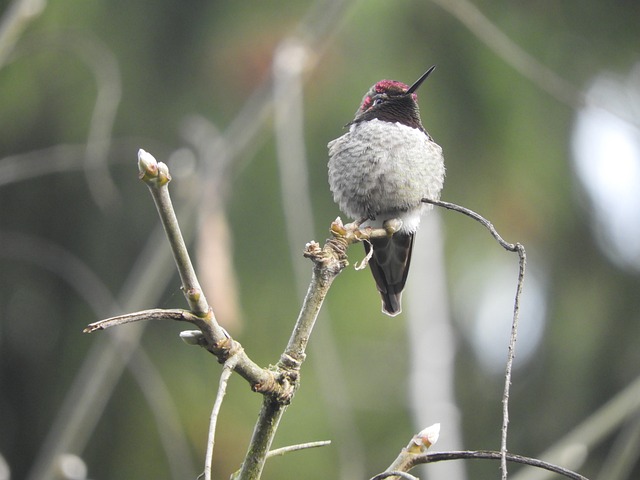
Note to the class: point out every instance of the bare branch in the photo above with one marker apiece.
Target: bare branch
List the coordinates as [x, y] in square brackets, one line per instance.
[510, 356]
[227, 370]
[329, 261]
[260, 379]
[519, 249]
[156, 176]
[477, 217]
[492, 455]
[294, 448]
[153, 314]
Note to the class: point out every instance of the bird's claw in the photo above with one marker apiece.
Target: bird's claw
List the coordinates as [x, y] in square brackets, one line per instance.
[351, 231]
[392, 225]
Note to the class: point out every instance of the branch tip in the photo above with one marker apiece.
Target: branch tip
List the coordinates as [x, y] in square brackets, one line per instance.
[312, 249]
[152, 172]
[424, 439]
[92, 328]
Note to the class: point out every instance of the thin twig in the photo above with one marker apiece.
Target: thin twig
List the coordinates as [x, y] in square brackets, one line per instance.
[260, 379]
[510, 356]
[176, 314]
[492, 455]
[476, 216]
[294, 448]
[156, 175]
[519, 249]
[227, 370]
[433, 370]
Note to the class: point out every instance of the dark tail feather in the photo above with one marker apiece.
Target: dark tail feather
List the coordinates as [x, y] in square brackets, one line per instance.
[390, 266]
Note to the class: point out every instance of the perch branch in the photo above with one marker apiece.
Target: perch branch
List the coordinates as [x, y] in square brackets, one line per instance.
[519, 249]
[328, 261]
[477, 217]
[279, 383]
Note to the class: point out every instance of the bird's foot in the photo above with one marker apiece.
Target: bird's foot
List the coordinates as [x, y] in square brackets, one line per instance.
[351, 232]
[392, 226]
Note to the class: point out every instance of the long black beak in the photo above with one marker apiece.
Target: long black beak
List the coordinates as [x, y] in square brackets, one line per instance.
[424, 76]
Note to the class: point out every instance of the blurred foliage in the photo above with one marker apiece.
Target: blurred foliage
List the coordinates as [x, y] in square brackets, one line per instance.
[506, 145]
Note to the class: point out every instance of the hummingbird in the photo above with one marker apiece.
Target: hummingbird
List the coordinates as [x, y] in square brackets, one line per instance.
[380, 170]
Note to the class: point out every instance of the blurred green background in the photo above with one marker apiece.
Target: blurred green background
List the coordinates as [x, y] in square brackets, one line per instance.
[84, 84]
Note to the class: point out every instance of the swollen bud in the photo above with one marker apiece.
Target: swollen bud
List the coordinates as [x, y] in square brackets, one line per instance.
[152, 171]
[424, 439]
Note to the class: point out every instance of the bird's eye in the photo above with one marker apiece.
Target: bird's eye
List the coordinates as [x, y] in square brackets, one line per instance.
[378, 101]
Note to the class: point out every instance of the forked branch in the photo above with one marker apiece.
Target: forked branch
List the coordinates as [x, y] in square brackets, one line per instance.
[278, 384]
